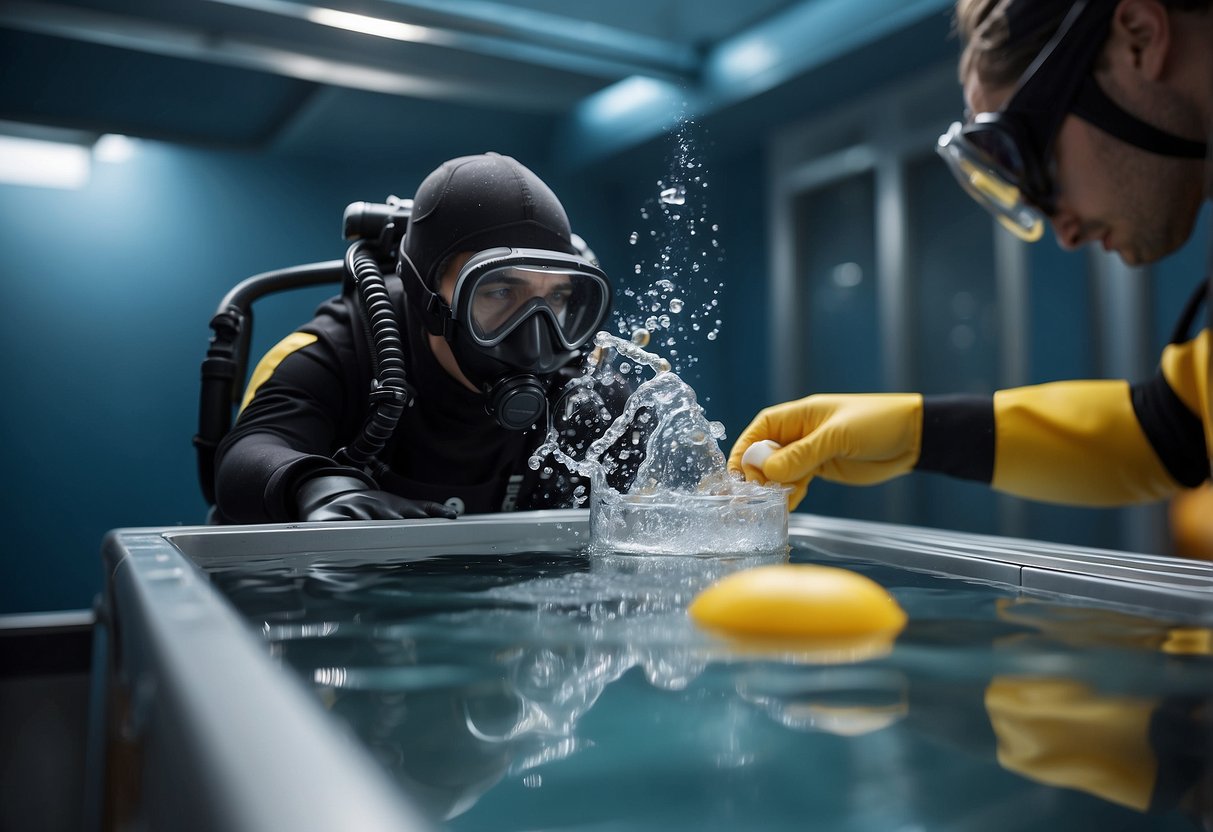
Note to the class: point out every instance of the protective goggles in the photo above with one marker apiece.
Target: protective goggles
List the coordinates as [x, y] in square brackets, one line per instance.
[500, 289]
[1004, 159]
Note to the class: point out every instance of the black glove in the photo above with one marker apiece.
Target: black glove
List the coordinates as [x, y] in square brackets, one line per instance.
[348, 498]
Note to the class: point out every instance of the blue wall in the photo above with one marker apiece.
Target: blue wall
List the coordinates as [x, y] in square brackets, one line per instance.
[110, 291]
[1176, 278]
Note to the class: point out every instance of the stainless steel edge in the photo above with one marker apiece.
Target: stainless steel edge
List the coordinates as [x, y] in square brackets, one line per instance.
[1156, 583]
[554, 530]
[226, 738]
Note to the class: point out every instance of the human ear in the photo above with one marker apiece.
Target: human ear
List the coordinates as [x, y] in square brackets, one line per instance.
[1141, 34]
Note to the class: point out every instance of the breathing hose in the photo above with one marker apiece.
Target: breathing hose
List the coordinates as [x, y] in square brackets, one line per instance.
[390, 391]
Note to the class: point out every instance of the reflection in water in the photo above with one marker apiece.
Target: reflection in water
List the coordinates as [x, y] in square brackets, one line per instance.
[1064, 733]
[847, 701]
[556, 690]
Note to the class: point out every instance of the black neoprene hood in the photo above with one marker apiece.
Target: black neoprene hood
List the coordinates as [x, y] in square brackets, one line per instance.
[479, 202]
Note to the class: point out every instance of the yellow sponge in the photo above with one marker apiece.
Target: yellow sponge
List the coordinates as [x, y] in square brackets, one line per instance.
[798, 600]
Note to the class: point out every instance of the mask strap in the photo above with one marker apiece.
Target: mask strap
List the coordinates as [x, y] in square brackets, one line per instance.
[1093, 106]
[434, 312]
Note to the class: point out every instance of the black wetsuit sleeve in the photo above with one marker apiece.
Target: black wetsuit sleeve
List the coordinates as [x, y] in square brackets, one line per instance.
[1174, 431]
[958, 436]
[287, 433]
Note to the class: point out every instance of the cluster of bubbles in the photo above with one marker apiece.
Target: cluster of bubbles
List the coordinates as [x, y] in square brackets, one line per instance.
[671, 299]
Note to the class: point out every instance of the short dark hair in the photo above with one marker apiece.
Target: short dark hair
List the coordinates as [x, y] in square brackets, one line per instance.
[998, 54]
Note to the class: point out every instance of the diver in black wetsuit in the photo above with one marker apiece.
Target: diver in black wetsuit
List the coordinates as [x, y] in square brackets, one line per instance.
[494, 307]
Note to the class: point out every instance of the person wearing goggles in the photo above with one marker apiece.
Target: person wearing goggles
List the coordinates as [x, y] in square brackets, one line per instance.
[496, 301]
[1093, 116]
[1039, 148]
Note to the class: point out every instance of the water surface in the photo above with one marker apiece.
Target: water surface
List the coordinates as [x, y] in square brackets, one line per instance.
[563, 691]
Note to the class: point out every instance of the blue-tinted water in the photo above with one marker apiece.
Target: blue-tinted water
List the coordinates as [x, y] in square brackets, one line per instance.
[556, 691]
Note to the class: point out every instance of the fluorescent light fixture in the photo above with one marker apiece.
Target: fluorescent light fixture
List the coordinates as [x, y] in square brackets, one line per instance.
[376, 26]
[747, 57]
[357, 77]
[43, 164]
[614, 116]
[114, 148]
[628, 96]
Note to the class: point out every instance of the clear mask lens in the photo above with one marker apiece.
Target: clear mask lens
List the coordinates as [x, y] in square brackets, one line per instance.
[502, 298]
[991, 187]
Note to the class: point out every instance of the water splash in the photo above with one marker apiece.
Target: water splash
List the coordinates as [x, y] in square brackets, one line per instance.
[682, 499]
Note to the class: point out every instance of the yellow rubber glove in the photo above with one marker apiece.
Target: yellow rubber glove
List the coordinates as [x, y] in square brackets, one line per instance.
[858, 439]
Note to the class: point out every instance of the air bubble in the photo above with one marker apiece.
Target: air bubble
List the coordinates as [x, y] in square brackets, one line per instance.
[675, 305]
[676, 195]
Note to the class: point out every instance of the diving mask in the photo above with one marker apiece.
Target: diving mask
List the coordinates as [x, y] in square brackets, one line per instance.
[499, 290]
[516, 317]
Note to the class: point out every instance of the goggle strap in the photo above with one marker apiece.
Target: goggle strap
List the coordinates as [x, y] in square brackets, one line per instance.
[1043, 92]
[1094, 106]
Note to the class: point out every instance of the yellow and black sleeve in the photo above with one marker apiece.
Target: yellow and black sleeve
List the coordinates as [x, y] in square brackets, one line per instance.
[1093, 443]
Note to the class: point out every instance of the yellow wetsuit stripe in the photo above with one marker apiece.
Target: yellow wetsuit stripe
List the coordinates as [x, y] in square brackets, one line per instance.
[267, 365]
